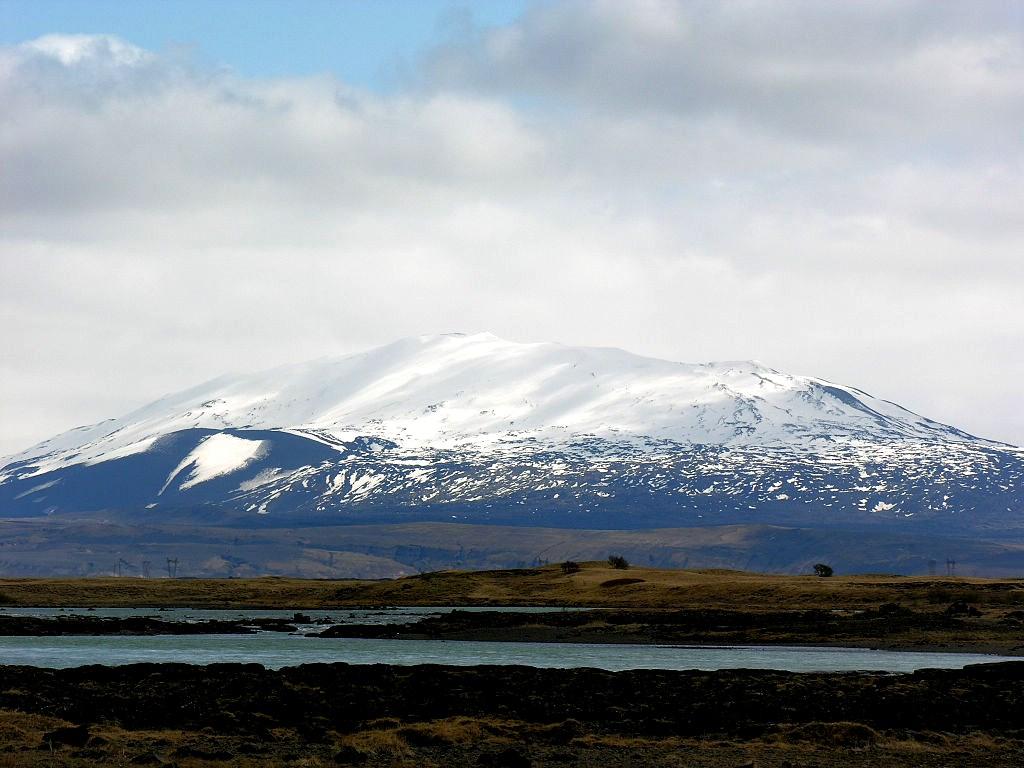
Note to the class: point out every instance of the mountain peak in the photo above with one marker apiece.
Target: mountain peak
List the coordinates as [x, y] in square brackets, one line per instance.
[457, 389]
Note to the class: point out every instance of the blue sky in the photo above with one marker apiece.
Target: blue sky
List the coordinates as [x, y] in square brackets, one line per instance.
[362, 42]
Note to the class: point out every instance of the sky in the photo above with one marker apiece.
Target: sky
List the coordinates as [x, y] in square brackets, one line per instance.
[193, 188]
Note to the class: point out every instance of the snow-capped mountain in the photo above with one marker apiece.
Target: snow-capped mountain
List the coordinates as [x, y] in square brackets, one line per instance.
[481, 429]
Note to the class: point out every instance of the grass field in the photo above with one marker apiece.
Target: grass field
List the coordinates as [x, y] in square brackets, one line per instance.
[596, 584]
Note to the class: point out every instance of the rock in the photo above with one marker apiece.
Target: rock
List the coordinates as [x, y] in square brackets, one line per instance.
[248, 702]
[73, 736]
[506, 758]
[960, 608]
[202, 754]
[563, 733]
[349, 755]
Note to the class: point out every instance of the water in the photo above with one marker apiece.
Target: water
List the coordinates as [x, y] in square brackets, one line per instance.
[275, 650]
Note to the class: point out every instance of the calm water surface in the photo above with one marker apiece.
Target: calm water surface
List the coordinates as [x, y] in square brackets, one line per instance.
[274, 650]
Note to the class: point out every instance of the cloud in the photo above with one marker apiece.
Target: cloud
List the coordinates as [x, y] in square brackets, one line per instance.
[850, 73]
[836, 190]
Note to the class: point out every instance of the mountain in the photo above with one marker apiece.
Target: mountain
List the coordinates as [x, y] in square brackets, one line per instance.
[475, 429]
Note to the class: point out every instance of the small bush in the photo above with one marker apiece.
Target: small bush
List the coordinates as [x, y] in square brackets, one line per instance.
[820, 569]
[618, 561]
[570, 567]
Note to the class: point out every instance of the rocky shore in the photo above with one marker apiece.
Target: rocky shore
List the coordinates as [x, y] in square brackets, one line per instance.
[958, 626]
[317, 715]
[72, 624]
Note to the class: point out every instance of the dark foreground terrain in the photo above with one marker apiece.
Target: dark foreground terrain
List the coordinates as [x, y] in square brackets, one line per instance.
[324, 715]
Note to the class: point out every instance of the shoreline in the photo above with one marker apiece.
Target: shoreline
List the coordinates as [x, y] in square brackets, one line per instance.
[888, 629]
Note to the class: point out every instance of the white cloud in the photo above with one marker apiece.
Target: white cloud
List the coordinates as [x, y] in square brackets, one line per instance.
[836, 193]
[78, 50]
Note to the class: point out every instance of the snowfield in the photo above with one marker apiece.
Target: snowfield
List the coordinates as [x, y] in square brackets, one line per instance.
[450, 390]
[494, 427]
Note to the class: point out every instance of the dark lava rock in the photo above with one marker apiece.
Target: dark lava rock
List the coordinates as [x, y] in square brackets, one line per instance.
[563, 733]
[349, 756]
[203, 754]
[960, 608]
[657, 625]
[248, 701]
[73, 736]
[35, 626]
[507, 758]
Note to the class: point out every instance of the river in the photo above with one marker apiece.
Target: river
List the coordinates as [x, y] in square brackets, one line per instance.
[275, 650]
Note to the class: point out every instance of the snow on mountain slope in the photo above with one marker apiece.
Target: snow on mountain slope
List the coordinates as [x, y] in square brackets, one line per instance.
[450, 390]
[480, 429]
[216, 455]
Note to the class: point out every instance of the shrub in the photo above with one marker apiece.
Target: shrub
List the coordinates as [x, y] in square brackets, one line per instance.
[618, 561]
[820, 569]
[570, 567]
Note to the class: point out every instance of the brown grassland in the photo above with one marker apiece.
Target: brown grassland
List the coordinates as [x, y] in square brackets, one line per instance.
[595, 585]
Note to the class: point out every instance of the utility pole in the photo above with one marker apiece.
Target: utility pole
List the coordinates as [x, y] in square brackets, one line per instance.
[145, 569]
[172, 567]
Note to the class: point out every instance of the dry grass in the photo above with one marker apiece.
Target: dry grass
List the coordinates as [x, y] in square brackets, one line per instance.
[387, 743]
[464, 741]
[595, 585]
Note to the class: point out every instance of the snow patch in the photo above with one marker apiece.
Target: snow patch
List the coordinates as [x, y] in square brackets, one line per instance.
[266, 477]
[216, 455]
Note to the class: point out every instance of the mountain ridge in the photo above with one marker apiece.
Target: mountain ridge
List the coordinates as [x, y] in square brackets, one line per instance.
[481, 430]
[564, 401]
